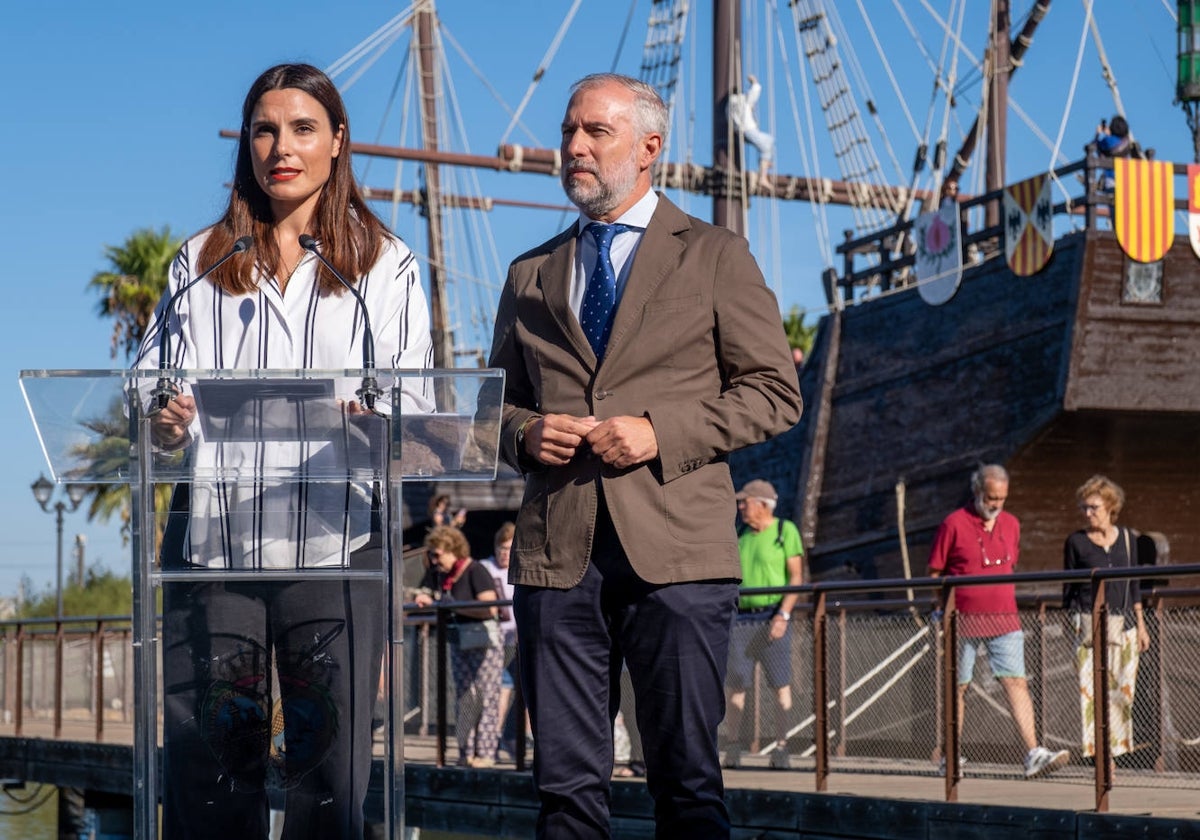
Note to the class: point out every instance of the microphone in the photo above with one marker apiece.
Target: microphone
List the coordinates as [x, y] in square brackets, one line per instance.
[163, 390]
[370, 387]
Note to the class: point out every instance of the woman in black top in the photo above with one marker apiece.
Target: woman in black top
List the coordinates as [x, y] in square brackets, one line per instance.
[1103, 544]
[475, 642]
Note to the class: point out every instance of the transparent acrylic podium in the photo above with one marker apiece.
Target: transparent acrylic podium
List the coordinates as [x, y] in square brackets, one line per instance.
[286, 484]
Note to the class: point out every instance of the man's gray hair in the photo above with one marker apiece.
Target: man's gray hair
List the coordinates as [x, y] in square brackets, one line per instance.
[993, 472]
[650, 112]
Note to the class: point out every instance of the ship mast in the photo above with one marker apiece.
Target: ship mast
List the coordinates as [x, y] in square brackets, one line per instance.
[1012, 53]
[997, 122]
[424, 24]
[729, 199]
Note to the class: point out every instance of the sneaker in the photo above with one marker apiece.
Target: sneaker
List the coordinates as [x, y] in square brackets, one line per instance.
[1041, 761]
[780, 760]
[733, 758]
[481, 762]
[962, 762]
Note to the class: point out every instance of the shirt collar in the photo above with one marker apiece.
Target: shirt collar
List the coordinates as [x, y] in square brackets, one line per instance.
[637, 216]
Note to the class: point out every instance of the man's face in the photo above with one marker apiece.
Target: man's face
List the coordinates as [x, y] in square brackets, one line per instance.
[605, 157]
[755, 512]
[990, 500]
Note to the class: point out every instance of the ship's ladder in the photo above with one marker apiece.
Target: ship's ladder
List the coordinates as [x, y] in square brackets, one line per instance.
[662, 55]
[852, 147]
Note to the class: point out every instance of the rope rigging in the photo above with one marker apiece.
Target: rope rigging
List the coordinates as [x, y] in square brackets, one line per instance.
[852, 148]
[1074, 83]
[551, 51]
[661, 58]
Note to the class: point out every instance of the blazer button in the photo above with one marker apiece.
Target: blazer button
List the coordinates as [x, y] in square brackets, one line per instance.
[600, 395]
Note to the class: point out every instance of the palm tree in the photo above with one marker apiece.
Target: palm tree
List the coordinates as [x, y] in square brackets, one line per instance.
[133, 283]
[800, 336]
[130, 288]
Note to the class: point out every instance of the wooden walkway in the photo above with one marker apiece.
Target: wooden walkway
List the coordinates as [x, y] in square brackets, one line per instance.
[865, 799]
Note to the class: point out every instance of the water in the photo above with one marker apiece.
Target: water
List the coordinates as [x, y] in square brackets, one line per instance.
[39, 823]
[21, 816]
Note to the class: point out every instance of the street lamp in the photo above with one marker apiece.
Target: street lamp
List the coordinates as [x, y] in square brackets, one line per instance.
[43, 489]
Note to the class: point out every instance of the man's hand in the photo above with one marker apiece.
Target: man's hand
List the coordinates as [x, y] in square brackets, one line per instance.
[553, 439]
[169, 427]
[624, 441]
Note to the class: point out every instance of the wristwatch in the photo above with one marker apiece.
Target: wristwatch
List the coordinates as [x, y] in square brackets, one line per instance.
[521, 431]
[786, 616]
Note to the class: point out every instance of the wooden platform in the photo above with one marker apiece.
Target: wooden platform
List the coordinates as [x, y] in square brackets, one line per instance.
[875, 799]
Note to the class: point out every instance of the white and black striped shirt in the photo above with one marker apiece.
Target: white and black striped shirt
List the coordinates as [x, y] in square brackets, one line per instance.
[286, 524]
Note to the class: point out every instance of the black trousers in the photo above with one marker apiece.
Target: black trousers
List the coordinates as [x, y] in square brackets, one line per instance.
[317, 645]
[674, 639]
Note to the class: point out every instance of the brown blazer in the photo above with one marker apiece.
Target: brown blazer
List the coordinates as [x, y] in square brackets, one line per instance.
[697, 346]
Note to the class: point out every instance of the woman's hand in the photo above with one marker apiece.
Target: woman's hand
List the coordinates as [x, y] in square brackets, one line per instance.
[169, 427]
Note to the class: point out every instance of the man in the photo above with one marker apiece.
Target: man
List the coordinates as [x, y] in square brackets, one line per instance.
[741, 113]
[982, 539]
[637, 358]
[771, 555]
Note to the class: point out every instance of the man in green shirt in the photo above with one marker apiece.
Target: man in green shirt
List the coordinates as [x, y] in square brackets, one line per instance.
[771, 554]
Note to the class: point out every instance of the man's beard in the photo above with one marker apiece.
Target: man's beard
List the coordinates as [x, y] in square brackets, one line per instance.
[986, 513]
[610, 189]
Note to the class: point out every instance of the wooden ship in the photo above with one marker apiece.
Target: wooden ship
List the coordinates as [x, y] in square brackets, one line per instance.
[1087, 366]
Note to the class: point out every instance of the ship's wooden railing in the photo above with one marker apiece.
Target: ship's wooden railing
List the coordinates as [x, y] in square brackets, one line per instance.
[882, 260]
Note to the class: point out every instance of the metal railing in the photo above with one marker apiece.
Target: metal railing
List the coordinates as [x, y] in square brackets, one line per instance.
[873, 683]
[37, 656]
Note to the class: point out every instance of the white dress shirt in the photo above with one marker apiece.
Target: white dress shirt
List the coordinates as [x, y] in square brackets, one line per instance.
[624, 247]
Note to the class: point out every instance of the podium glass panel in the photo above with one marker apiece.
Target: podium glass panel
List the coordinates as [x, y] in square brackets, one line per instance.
[277, 565]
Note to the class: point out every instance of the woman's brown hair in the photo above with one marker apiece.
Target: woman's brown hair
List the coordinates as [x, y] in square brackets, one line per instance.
[448, 538]
[351, 236]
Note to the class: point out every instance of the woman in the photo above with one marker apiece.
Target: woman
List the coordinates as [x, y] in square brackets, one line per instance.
[497, 567]
[1105, 545]
[475, 643]
[228, 642]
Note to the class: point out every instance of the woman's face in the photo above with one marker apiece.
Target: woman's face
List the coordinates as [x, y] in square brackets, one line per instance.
[442, 558]
[1096, 512]
[293, 146]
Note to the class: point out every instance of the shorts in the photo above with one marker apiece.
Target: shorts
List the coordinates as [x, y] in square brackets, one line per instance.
[1005, 653]
[749, 642]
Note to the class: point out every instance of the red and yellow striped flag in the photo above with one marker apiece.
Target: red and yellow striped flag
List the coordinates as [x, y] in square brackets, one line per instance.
[1193, 176]
[1144, 205]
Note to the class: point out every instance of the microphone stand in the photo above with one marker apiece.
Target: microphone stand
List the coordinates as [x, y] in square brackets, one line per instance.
[164, 391]
[370, 391]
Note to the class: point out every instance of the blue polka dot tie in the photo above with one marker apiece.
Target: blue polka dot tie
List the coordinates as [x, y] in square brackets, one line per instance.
[600, 299]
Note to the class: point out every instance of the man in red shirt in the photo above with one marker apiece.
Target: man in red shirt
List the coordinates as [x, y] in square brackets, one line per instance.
[982, 539]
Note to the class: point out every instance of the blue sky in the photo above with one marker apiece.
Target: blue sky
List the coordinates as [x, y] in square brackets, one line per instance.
[112, 113]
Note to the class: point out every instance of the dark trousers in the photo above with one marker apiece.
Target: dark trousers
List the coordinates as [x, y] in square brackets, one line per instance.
[227, 743]
[674, 639]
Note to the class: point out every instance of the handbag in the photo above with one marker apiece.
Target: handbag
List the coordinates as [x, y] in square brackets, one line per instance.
[478, 635]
